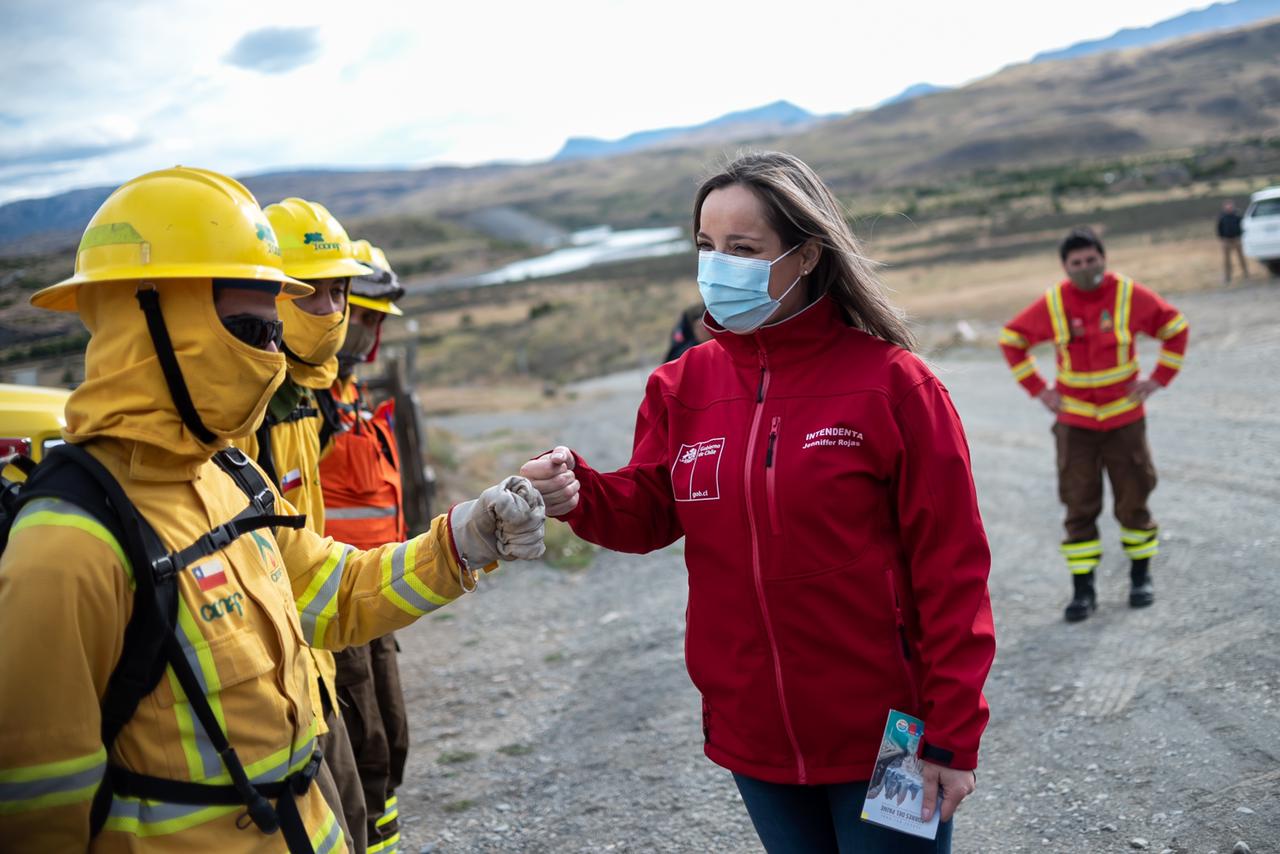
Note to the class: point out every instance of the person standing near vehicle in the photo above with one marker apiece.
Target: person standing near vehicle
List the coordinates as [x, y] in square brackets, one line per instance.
[136, 721]
[1230, 232]
[1092, 317]
[820, 476]
[360, 478]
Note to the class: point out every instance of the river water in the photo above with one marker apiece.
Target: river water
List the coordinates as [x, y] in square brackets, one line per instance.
[587, 248]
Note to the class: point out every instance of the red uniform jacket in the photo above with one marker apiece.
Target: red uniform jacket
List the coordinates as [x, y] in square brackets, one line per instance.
[837, 562]
[1093, 333]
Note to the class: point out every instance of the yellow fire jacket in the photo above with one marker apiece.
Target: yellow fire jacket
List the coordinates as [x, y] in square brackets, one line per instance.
[295, 453]
[245, 619]
[65, 599]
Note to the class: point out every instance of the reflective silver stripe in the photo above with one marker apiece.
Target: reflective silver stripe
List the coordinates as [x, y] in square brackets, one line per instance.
[331, 840]
[209, 757]
[401, 586]
[360, 512]
[323, 605]
[146, 817]
[281, 769]
[133, 816]
[29, 790]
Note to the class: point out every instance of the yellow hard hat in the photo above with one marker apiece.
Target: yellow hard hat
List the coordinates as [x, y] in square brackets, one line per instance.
[367, 253]
[362, 250]
[385, 306]
[379, 258]
[314, 243]
[179, 223]
[377, 290]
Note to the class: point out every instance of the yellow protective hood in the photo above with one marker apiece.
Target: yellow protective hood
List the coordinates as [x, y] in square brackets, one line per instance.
[312, 342]
[125, 396]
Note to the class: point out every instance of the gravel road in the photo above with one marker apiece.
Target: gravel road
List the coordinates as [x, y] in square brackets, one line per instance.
[552, 712]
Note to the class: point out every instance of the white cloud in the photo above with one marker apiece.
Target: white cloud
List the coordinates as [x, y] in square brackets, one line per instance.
[408, 84]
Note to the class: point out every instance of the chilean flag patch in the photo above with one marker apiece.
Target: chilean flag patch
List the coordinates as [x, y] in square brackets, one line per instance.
[210, 574]
[292, 480]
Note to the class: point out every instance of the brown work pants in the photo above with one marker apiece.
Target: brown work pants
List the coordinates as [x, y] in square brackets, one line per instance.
[1231, 247]
[373, 710]
[343, 789]
[1125, 456]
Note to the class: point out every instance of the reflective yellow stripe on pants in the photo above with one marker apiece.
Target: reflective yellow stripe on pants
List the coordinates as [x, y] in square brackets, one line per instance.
[1140, 545]
[1082, 557]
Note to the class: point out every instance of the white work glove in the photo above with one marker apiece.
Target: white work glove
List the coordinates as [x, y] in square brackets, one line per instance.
[506, 522]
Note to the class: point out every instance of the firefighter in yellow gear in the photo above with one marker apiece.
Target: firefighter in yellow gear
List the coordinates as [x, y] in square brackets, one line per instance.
[315, 248]
[176, 279]
[360, 475]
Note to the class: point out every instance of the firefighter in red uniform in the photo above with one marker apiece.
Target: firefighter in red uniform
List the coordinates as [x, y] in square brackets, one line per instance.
[1092, 317]
[360, 477]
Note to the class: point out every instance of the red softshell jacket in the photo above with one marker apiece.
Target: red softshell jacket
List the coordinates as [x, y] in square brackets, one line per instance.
[837, 562]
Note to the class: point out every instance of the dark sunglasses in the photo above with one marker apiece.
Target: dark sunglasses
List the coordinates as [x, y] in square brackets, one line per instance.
[255, 331]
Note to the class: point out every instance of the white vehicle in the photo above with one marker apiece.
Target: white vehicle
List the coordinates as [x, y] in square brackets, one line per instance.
[1262, 228]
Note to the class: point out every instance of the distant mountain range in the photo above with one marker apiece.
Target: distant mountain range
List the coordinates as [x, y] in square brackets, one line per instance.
[345, 193]
[1195, 90]
[915, 90]
[1219, 16]
[769, 120]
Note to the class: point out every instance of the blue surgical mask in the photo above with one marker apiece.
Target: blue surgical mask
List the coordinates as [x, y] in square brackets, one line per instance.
[736, 290]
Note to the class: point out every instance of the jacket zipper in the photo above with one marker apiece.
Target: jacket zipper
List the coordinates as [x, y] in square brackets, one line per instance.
[771, 469]
[904, 648]
[757, 570]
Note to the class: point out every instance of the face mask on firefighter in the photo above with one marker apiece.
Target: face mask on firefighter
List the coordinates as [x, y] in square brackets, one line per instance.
[359, 342]
[1087, 278]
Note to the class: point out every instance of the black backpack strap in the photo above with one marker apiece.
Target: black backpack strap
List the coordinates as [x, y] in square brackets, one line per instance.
[266, 458]
[71, 473]
[298, 413]
[256, 516]
[330, 417]
[252, 483]
[150, 641]
[266, 454]
[149, 301]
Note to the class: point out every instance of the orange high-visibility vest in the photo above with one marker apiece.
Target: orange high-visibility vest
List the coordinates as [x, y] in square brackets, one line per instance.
[360, 475]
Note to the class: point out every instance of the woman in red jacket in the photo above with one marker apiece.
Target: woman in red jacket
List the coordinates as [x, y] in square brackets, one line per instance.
[821, 479]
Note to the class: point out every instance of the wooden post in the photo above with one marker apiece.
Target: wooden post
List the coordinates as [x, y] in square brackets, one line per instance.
[417, 478]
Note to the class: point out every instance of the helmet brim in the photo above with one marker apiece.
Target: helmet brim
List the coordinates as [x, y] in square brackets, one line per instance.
[62, 296]
[332, 268]
[385, 306]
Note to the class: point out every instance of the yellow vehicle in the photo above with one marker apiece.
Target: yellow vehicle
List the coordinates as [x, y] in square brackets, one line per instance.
[31, 421]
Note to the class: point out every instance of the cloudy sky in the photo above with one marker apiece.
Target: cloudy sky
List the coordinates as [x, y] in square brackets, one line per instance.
[95, 92]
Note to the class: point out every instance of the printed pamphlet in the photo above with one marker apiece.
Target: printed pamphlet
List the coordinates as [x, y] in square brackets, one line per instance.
[895, 795]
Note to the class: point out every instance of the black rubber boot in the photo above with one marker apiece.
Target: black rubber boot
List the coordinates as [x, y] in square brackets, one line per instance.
[1141, 591]
[1085, 600]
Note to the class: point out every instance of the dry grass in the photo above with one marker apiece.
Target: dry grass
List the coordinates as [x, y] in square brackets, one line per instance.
[991, 290]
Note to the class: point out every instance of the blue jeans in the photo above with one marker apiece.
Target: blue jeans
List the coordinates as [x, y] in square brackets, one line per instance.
[817, 819]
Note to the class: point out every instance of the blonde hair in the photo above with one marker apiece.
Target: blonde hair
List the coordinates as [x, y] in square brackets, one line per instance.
[799, 207]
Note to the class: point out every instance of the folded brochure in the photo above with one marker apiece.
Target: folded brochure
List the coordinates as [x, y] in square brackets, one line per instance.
[895, 795]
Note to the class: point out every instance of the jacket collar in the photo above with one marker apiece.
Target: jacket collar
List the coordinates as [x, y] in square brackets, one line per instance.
[804, 335]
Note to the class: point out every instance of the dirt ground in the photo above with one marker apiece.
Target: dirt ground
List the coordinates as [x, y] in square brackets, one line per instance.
[551, 711]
